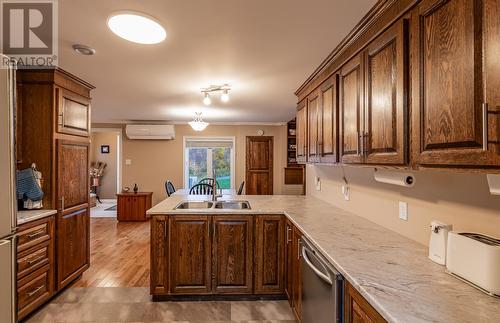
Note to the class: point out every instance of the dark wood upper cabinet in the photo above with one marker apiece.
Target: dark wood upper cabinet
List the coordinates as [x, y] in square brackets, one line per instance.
[301, 133]
[73, 113]
[159, 255]
[269, 254]
[190, 254]
[313, 127]
[386, 84]
[454, 124]
[233, 254]
[351, 110]
[328, 121]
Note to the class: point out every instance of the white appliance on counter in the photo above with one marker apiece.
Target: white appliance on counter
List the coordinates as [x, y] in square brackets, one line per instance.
[475, 258]
[438, 241]
[8, 206]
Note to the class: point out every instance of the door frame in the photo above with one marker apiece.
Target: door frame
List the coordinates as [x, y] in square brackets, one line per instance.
[119, 153]
[271, 138]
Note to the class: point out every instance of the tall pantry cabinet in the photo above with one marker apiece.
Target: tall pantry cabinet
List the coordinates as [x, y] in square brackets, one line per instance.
[54, 133]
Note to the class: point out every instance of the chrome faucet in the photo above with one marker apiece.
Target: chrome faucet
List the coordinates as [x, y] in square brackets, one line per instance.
[214, 188]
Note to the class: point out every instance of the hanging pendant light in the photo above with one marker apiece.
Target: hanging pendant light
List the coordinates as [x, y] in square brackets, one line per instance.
[198, 124]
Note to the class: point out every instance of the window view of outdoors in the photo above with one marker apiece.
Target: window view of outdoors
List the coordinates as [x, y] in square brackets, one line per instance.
[202, 161]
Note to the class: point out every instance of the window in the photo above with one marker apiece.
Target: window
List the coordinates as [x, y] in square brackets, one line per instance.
[203, 155]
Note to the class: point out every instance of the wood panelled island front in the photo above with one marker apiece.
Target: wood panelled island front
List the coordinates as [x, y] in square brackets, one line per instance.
[220, 254]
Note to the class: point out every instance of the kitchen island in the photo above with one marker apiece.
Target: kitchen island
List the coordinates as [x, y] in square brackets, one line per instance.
[390, 271]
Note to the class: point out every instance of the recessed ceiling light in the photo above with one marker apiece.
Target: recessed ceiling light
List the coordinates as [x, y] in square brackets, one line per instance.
[136, 27]
[83, 49]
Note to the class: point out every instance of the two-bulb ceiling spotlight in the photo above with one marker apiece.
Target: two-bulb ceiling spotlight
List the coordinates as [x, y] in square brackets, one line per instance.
[224, 97]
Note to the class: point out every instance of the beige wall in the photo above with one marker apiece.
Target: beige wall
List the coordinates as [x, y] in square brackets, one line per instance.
[454, 198]
[108, 187]
[154, 161]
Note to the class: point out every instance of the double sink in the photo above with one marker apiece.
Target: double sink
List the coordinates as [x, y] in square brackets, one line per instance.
[200, 205]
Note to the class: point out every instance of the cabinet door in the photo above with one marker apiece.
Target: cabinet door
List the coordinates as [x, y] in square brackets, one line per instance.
[453, 123]
[72, 174]
[159, 255]
[73, 245]
[289, 261]
[351, 111]
[297, 274]
[233, 254]
[357, 309]
[301, 134]
[73, 221]
[385, 133]
[313, 127]
[73, 113]
[328, 130]
[269, 254]
[190, 254]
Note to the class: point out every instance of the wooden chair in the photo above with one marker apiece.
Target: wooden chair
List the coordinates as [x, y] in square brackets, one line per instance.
[240, 190]
[201, 189]
[169, 187]
[209, 181]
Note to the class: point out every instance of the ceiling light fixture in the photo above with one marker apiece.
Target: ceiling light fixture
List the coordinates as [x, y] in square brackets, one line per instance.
[206, 99]
[224, 88]
[83, 50]
[136, 27]
[198, 124]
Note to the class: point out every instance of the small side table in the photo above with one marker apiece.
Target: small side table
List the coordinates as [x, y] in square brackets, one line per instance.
[133, 206]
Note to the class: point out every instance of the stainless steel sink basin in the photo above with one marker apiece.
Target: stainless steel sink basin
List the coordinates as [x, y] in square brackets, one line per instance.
[195, 205]
[235, 205]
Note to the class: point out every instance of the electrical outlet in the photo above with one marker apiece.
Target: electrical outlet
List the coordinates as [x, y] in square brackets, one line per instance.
[318, 183]
[128, 162]
[346, 192]
[403, 211]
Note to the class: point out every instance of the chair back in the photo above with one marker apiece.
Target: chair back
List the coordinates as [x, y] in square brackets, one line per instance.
[209, 181]
[169, 188]
[201, 189]
[240, 190]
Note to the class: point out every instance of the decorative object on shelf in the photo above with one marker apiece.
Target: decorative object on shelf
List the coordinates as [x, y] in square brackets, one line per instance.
[136, 188]
[105, 149]
[224, 88]
[126, 189]
[29, 187]
[198, 124]
[96, 172]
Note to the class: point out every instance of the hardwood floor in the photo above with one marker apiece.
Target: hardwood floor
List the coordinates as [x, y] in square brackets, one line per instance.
[119, 254]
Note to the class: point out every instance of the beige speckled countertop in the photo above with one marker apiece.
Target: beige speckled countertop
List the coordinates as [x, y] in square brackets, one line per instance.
[32, 215]
[391, 271]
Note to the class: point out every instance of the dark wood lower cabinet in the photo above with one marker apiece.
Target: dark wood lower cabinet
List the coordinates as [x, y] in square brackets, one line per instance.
[269, 254]
[289, 261]
[159, 277]
[297, 274]
[232, 254]
[357, 309]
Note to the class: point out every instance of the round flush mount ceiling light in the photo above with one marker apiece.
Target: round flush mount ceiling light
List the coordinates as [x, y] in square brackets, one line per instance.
[136, 27]
[83, 50]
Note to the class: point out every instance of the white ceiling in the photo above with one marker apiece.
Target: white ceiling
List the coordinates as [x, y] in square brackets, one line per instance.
[264, 48]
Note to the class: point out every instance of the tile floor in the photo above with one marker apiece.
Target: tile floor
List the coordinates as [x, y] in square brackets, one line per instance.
[133, 304]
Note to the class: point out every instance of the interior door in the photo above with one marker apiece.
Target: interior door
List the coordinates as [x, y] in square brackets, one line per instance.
[190, 254]
[351, 111]
[259, 166]
[453, 122]
[385, 134]
[73, 219]
[233, 254]
[328, 131]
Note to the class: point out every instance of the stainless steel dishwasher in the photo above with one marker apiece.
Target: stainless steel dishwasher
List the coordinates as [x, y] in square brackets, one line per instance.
[322, 288]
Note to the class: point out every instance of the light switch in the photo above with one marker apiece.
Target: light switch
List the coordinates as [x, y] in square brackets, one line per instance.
[403, 211]
[128, 162]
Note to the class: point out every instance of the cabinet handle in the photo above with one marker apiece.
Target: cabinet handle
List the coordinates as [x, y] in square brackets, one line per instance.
[485, 126]
[299, 243]
[165, 229]
[62, 203]
[34, 260]
[288, 240]
[36, 290]
[36, 234]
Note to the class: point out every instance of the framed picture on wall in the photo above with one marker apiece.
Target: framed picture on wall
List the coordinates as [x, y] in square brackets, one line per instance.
[105, 149]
